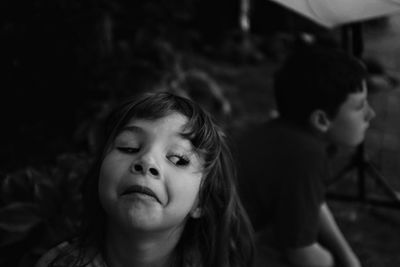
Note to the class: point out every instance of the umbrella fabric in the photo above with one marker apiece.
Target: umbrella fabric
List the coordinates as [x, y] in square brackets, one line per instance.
[331, 13]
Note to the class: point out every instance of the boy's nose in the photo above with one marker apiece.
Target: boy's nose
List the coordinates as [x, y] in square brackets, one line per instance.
[371, 113]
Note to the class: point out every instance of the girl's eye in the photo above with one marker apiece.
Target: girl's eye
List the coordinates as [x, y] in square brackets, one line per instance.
[128, 150]
[179, 160]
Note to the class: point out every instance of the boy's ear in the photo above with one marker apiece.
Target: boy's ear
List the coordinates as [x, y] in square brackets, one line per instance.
[196, 213]
[319, 120]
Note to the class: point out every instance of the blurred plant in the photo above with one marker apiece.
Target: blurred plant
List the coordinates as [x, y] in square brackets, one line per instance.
[88, 129]
[39, 208]
[201, 87]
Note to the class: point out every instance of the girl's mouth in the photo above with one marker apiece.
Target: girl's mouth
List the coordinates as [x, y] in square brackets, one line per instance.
[138, 189]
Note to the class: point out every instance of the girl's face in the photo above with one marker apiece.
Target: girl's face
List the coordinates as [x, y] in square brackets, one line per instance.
[150, 178]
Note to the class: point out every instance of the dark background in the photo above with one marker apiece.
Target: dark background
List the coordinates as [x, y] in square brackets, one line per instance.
[65, 63]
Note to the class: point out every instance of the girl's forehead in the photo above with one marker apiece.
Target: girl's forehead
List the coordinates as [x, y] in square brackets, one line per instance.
[174, 119]
[170, 124]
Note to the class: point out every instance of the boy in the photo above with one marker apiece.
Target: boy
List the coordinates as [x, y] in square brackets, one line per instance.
[321, 98]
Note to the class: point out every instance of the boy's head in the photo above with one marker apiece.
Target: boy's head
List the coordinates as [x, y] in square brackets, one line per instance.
[325, 88]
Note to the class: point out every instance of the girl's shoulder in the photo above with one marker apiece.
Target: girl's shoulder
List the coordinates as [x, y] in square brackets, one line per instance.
[52, 254]
[67, 255]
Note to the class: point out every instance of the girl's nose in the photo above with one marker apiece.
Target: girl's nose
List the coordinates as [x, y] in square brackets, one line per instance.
[145, 165]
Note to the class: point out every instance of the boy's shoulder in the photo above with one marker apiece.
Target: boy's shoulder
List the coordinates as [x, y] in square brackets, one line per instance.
[282, 135]
[279, 141]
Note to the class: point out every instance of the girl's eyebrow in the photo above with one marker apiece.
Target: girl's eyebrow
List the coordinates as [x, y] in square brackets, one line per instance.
[132, 129]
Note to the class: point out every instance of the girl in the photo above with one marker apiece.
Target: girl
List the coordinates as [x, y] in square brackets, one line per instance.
[162, 193]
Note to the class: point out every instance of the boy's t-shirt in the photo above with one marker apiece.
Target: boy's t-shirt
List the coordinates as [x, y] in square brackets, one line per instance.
[282, 168]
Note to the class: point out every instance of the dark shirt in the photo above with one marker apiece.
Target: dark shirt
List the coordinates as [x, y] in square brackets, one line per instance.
[282, 168]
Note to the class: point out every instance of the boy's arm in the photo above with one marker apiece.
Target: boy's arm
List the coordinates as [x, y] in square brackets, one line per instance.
[333, 239]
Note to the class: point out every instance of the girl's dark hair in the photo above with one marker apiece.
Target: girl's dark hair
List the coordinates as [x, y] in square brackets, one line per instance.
[222, 236]
[315, 77]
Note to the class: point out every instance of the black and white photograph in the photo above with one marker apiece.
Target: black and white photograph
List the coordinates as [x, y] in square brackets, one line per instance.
[189, 133]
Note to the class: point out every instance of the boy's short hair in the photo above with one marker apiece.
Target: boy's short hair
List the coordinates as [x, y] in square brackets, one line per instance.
[314, 78]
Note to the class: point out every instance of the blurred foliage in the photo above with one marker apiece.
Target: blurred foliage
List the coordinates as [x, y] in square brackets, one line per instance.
[60, 57]
[39, 208]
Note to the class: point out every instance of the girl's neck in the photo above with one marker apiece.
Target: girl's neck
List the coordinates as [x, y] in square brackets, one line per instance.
[140, 249]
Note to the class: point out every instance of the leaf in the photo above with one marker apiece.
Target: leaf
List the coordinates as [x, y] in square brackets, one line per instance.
[16, 186]
[47, 197]
[19, 217]
[8, 238]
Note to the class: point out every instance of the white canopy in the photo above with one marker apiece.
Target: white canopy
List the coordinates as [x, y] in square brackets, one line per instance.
[331, 13]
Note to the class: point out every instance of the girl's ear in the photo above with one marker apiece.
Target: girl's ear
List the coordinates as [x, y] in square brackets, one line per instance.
[196, 213]
[320, 121]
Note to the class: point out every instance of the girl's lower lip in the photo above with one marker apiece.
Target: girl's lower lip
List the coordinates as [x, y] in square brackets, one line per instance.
[143, 191]
[137, 195]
